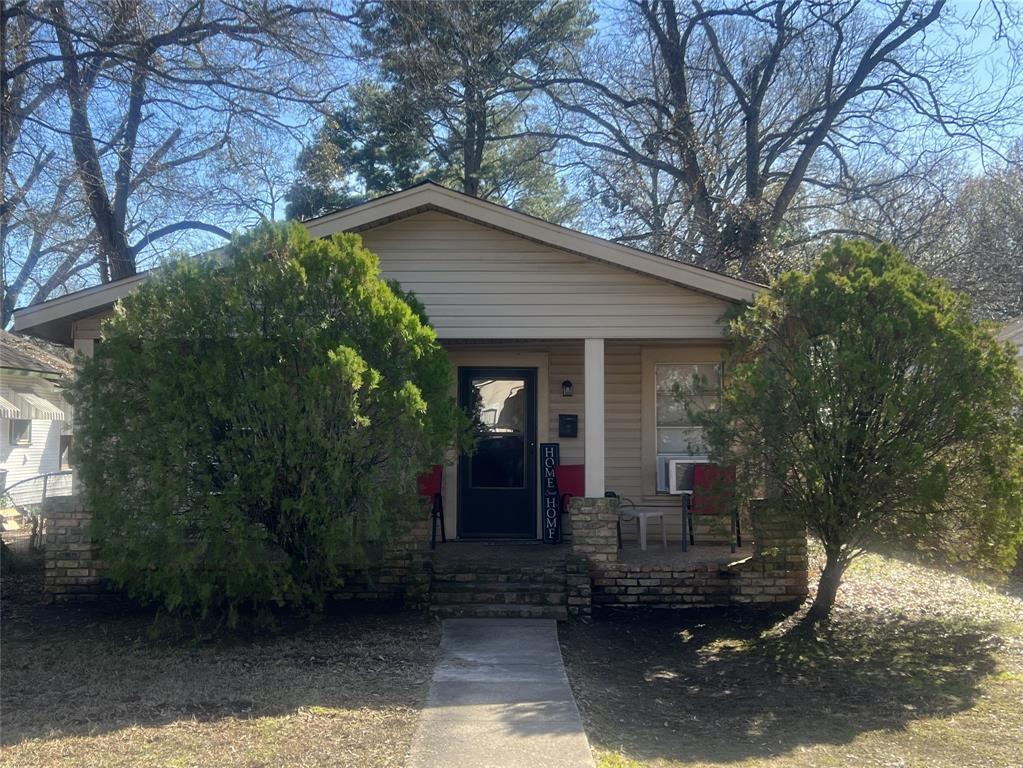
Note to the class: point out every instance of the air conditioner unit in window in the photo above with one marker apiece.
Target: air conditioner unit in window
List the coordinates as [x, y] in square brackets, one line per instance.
[680, 475]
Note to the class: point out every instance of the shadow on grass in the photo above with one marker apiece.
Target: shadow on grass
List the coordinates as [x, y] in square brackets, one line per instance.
[97, 669]
[722, 686]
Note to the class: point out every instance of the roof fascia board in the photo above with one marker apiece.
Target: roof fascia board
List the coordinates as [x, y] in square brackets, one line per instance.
[77, 303]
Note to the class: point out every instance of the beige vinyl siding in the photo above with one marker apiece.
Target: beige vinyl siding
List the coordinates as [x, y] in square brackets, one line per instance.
[628, 373]
[566, 363]
[481, 283]
[623, 419]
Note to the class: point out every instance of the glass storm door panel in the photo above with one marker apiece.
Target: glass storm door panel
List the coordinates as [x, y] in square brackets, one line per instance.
[497, 483]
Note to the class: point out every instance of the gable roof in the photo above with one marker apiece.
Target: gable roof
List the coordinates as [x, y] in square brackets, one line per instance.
[430, 196]
[53, 319]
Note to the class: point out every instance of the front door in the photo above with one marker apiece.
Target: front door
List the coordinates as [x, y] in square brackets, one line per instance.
[497, 483]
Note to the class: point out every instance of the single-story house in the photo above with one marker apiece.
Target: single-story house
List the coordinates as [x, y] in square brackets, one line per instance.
[557, 338]
[563, 336]
[35, 422]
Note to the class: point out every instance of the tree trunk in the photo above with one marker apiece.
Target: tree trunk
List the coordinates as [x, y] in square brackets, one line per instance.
[111, 239]
[827, 589]
[470, 171]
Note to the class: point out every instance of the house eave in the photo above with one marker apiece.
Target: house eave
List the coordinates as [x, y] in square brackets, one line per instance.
[53, 320]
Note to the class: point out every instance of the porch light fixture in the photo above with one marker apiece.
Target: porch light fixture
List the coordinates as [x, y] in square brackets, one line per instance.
[566, 388]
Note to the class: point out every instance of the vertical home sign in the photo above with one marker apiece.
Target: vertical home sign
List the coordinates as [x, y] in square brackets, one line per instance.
[550, 499]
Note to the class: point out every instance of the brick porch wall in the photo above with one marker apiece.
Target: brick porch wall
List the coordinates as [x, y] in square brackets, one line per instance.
[595, 578]
[578, 586]
[403, 574]
[775, 574]
[73, 572]
[594, 524]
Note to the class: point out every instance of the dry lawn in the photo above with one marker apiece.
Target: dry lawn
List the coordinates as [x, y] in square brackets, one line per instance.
[918, 668]
[92, 688]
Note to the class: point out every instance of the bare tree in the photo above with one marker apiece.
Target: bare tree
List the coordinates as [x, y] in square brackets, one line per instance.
[957, 221]
[638, 204]
[147, 101]
[765, 111]
[976, 239]
[44, 230]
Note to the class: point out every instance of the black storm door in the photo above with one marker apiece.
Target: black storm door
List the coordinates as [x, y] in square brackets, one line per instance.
[497, 483]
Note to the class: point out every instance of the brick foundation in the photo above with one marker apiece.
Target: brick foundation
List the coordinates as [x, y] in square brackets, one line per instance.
[775, 574]
[578, 586]
[73, 572]
[403, 574]
[593, 577]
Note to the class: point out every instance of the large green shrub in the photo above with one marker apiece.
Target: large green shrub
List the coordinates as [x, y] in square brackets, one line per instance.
[865, 396]
[250, 430]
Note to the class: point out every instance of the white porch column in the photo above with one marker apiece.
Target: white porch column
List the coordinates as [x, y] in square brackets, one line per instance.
[593, 401]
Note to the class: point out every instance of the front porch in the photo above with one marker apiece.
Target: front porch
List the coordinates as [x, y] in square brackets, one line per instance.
[589, 572]
[585, 574]
[605, 403]
[536, 580]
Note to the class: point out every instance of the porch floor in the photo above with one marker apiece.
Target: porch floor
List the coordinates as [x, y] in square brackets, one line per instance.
[672, 555]
[534, 554]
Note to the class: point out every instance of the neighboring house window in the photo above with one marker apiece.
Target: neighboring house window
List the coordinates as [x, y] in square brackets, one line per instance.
[65, 451]
[21, 432]
[682, 390]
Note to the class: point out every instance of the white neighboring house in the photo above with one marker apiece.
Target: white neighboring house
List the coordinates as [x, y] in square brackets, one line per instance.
[1013, 333]
[35, 420]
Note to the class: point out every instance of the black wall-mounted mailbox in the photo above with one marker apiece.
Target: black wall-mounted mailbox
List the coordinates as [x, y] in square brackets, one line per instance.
[568, 425]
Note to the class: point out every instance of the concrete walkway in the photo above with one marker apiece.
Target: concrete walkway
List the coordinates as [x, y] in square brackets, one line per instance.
[500, 698]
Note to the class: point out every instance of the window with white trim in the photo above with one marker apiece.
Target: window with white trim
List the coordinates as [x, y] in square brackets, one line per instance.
[682, 390]
[21, 432]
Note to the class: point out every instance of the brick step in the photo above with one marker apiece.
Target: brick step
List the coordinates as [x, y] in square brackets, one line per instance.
[477, 611]
[558, 597]
[464, 573]
[552, 585]
[489, 583]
